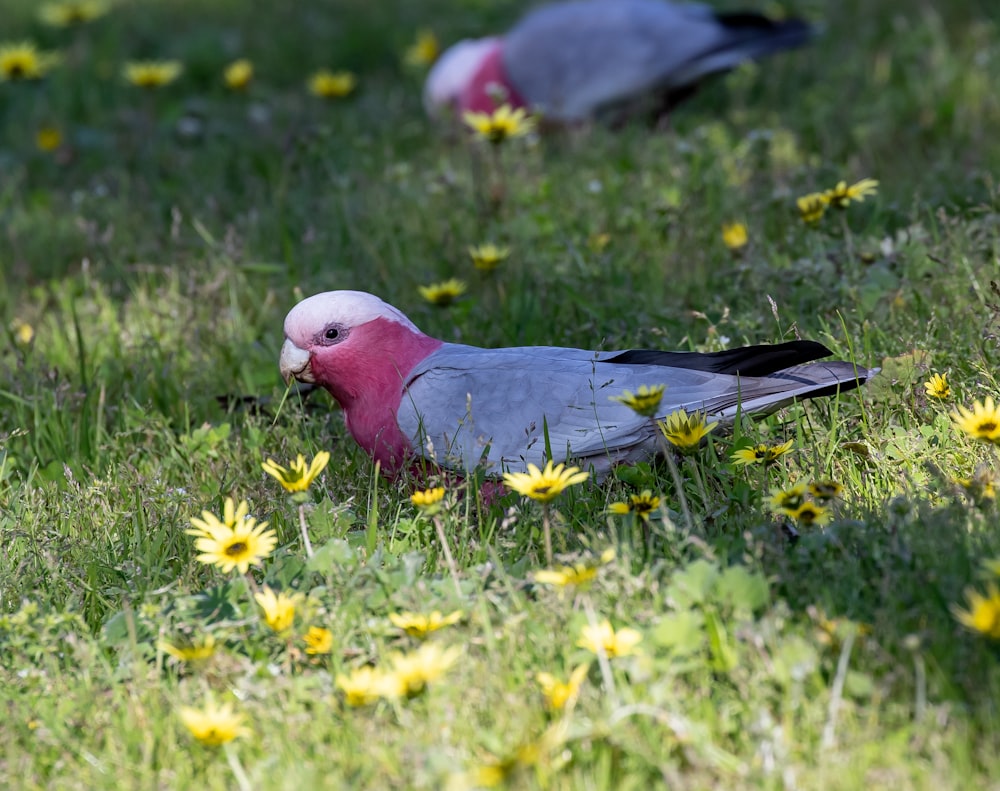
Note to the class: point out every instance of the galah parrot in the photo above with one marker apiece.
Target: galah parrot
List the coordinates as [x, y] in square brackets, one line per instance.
[407, 396]
[573, 61]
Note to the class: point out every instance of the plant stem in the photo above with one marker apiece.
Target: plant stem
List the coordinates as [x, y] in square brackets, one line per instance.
[305, 531]
[447, 554]
[547, 534]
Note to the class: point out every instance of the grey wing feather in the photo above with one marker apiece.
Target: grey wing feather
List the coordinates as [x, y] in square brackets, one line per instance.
[469, 407]
[573, 59]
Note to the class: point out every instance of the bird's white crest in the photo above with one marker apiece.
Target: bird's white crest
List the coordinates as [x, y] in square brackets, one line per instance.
[350, 308]
[453, 71]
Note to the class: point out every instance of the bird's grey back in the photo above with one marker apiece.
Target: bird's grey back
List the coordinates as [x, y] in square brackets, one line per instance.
[572, 59]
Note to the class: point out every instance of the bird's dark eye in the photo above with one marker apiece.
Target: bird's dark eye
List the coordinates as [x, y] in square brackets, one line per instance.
[332, 334]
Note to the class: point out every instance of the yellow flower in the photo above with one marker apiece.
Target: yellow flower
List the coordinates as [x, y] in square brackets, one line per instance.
[409, 674]
[579, 575]
[982, 422]
[24, 333]
[981, 487]
[238, 543]
[642, 505]
[767, 454]
[558, 693]
[417, 625]
[937, 386]
[685, 432]
[487, 257]
[189, 649]
[842, 195]
[500, 125]
[809, 514]
[983, 615]
[812, 207]
[603, 637]
[48, 138]
[23, 61]
[152, 74]
[209, 524]
[214, 724]
[332, 84]
[300, 475]
[598, 241]
[279, 609]
[788, 499]
[238, 74]
[544, 485]
[444, 293]
[825, 490]
[424, 51]
[362, 687]
[734, 236]
[428, 501]
[645, 401]
[318, 641]
[72, 12]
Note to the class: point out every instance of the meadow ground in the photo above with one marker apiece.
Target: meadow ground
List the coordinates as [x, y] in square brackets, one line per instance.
[151, 242]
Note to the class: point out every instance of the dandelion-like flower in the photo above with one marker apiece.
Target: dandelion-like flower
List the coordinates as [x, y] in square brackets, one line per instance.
[23, 61]
[825, 490]
[645, 401]
[419, 625]
[24, 333]
[429, 501]
[558, 693]
[444, 293]
[500, 125]
[328, 84]
[363, 686]
[642, 505]
[761, 453]
[579, 575]
[318, 641]
[238, 542]
[981, 422]
[409, 674]
[983, 615]
[544, 485]
[424, 51]
[981, 487]
[189, 649]
[70, 13]
[487, 257]
[937, 386]
[788, 499]
[809, 514]
[279, 608]
[812, 207]
[152, 74]
[298, 476]
[602, 636]
[842, 195]
[48, 138]
[734, 236]
[685, 432]
[238, 75]
[214, 724]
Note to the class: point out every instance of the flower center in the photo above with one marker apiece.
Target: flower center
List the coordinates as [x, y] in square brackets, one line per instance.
[236, 549]
[988, 426]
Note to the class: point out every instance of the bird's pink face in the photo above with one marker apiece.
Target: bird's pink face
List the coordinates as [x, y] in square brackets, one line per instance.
[453, 72]
[351, 343]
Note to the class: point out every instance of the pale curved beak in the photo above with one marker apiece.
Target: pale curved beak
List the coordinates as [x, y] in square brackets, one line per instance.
[294, 363]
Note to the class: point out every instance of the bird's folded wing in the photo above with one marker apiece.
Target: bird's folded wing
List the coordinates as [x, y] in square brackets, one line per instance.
[574, 58]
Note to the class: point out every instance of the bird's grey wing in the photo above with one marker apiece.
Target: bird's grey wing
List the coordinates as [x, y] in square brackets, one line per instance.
[469, 407]
[572, 59]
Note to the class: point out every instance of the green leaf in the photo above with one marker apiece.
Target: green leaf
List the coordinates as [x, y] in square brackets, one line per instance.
[692, 584]
[742, 590]
[334, 554]
[682, 632]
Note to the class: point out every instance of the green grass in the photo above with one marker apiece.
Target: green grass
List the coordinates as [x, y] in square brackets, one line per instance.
[157, 252]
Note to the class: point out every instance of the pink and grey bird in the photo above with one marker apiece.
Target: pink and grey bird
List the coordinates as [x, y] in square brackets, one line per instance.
[407, 396]
[573, 61]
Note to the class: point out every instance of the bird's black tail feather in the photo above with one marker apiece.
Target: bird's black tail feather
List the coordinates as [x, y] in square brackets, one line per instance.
[761, 360]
